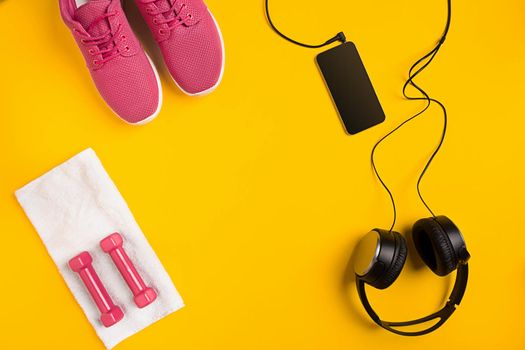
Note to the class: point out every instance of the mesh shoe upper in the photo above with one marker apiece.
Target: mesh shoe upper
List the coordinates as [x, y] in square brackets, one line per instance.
[189, 39]
[118, 65]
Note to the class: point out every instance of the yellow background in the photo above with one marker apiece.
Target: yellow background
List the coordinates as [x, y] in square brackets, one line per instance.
[253, 197]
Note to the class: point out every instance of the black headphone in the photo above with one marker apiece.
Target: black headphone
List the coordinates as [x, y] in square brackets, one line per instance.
[381, 254]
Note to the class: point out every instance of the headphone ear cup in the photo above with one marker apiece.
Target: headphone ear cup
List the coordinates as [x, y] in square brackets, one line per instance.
[398, 261]
[434, 247]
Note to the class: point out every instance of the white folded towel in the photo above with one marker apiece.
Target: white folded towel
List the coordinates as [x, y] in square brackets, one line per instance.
[73, 207]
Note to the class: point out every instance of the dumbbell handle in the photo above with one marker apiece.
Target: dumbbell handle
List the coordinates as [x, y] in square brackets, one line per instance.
[96, 289]
[128, 270]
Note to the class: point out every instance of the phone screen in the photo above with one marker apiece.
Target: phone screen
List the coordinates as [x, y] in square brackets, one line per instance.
[350, 87]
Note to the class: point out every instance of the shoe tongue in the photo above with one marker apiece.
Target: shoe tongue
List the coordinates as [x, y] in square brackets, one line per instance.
[88, 16]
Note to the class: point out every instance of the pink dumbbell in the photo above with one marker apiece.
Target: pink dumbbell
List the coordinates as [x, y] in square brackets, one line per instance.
[143, 295]
[110, 313]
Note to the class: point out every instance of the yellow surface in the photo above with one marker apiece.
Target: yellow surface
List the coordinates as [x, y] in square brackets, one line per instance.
[253, 197]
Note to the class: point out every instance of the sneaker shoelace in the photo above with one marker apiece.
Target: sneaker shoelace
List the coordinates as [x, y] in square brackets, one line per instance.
[105, 42]
[173, 15]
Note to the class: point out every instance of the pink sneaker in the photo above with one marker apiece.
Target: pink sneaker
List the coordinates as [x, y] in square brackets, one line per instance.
[123, 74]
[190, 41]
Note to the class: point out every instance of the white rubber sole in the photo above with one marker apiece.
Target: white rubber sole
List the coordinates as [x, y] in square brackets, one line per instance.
[209, 90]
[156, 113]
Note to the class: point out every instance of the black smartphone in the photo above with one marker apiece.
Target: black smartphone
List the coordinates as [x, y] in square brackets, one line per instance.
[350, 87]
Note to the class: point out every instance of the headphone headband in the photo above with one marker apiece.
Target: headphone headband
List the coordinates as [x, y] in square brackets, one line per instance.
[460, 285]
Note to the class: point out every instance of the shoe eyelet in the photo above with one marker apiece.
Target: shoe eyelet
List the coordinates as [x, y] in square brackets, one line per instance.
[190, 16]
[126, 48]
[155, 21]
[95, 62]
[83, 41]
[123, 37]
[92, 52]
[162, 31]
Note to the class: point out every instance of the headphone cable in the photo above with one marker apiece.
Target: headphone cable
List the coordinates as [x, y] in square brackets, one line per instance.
[338, 37]
[413, 72]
